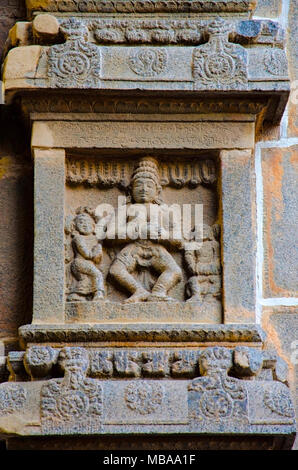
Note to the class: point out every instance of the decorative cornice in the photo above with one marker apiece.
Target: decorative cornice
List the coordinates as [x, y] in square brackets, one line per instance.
[198, 333]
[141, 6]
[97, 104]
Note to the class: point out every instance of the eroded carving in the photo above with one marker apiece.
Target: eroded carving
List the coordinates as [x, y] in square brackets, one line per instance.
[144, 6]
[215, 395]
[76, 63]
[219, 64]
[73, 403]
[144, 397]
[156, 363]
[148, 62]
[204, 267]
[101, 364]
[127, 363]
[275, 62]
[87, 280]
[144, 254]
[278, 401]
[39, 360]
[12, 398]
[184, 363]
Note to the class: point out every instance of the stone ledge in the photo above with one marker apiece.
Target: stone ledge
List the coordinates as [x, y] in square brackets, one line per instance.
[189, 312]
[175, 442]
[158, 332]
[141, 6]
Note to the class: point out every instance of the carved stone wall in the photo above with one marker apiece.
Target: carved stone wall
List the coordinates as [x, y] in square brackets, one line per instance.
[212, 125]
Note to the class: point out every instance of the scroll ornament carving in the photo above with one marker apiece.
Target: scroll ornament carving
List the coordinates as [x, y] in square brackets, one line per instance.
[279, 402]
[148, 62]
[275, 62]
[144, 397]
[76, 63]
[219, 64]
[74, 402]
[215, 395]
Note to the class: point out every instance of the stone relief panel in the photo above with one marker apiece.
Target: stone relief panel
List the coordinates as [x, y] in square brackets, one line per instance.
[83, 254]
[74, 403]
[223, 393]
[76, 63]
[219, 64]
[215, 396]
[148, 62]
[126, 248]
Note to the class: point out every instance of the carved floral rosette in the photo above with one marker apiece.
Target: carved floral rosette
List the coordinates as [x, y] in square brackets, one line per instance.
[75, 64]
[219, 64]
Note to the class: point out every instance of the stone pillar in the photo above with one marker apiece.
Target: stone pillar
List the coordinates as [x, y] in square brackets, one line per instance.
[238, 236]
[49, 182]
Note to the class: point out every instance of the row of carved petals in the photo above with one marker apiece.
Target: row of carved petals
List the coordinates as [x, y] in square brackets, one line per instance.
[109, 174]
[142, 6]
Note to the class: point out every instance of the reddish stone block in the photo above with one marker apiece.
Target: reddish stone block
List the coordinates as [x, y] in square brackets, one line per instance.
[280, 172]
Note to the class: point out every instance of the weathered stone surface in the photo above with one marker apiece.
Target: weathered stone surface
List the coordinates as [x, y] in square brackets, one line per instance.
[48, 296]
[45, 27]
[281, 324]
[20, 34]
[238, 212]
[247, 361]
[268, 8]
[16, 227]
[147, 6]
[214, 401]
[143, 135]
[293, 69]
[140, 332]
[21, 62]
[91, 312]
[280, 227]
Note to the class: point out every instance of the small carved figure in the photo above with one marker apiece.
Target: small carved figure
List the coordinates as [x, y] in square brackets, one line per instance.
[204, 267]
[148, 232]
[87, 253]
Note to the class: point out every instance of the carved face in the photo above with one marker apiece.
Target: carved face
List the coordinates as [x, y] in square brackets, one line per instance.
[144, 190]
[84, 224]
